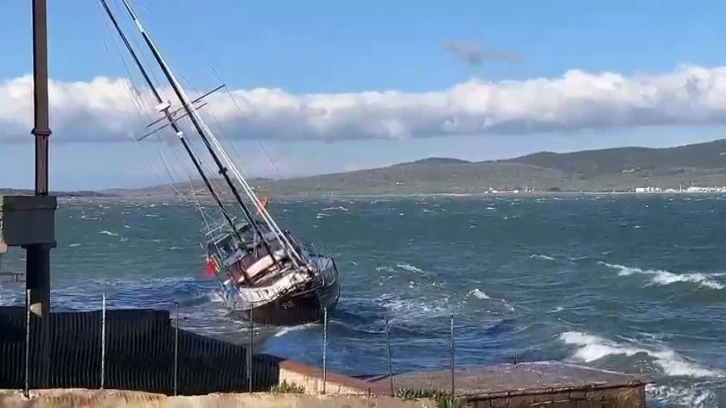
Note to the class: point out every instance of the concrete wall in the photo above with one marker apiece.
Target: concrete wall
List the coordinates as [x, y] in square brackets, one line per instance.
[311, 378]
[620, 397]
[121, 399]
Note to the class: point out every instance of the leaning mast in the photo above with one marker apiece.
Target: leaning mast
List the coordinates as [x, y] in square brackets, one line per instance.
[204, 132]
[193, 116]
[172, 122]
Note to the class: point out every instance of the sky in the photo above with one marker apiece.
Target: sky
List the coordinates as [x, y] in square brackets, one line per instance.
[319, 86]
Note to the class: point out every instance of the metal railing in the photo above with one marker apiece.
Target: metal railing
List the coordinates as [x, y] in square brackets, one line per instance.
[151, 350]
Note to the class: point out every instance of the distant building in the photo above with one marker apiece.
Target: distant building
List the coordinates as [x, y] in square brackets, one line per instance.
[648, 190]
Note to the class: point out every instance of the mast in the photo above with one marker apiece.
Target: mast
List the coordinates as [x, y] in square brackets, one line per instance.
[186, 104]
[206, 133]
[173, 125]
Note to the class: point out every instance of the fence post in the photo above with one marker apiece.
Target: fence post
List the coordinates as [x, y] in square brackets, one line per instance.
[250, 350]
[103, 341]
[453, 362]
[390, 358]
[325, 348]
[26, 391]
[176, 351]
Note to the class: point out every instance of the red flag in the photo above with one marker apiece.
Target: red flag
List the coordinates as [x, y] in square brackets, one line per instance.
[263, 204]
[211, 267]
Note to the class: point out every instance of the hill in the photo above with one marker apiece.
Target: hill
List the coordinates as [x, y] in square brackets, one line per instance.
[14, 191]
[641, 160]
[618, 169]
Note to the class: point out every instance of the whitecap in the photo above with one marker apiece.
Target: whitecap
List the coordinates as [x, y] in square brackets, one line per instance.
[591, 348]
[478, 294]
[408, 267]
[664, 277]
[541, 256]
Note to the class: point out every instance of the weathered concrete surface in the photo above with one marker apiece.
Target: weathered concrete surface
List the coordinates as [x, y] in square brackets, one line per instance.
[524, 384]
[311, 378]
[76, 398]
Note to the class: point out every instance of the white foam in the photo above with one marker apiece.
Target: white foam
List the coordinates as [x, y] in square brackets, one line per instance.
[478, 294]
[664, 278]
[109, 233]
[545, 257]
[483, 296]
[286, 330]
[339, 208]
[408, 267]
[681, 396]
[407, 310]
[592, 348]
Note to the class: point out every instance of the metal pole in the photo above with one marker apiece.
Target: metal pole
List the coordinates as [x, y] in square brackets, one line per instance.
[325, 348]
[390, 358]
[38, 256]
[26, 391]
[176, 351]
[103, 341]
[453, 363]
[250, 350]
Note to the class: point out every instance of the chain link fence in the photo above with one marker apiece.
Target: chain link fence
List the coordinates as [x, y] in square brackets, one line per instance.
[150, 350]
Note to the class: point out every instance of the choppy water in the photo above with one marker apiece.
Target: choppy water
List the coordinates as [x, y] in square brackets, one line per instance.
[629, 283]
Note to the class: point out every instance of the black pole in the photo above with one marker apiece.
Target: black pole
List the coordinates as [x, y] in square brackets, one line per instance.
[222, 169]
[38, 255]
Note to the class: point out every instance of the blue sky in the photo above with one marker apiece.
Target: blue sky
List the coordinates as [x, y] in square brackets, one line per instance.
[316, 52]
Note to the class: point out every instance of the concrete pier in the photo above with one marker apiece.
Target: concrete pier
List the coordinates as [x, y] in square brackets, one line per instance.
[527, 384]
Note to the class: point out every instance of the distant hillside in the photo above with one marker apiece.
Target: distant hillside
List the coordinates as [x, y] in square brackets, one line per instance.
[640, 160]
[12, 191]
[618, 169]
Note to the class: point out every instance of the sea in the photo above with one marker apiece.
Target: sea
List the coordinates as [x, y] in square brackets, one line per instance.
[634, 283]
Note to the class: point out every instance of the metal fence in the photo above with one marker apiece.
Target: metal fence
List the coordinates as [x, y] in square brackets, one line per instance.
[152, 350]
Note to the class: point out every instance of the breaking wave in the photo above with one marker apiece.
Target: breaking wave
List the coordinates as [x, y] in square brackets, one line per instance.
[664, 277]
[592, 348]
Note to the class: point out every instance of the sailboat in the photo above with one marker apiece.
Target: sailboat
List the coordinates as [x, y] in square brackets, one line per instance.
[263, 271]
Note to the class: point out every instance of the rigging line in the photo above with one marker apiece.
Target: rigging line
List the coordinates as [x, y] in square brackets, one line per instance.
[204, 131]
[214, 116]
[144, 57]
[263, 211]
[138, 144]
[264, 149]
[178, 131]
[134, 90]
[239, 109]
[211, 111]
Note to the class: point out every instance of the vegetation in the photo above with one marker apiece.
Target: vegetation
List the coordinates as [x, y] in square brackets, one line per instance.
[619, 169]
[443, 399]
[287, 388]
[590, 163]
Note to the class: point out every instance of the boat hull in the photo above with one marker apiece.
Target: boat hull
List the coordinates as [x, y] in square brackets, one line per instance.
[299, 307]
[296, 308]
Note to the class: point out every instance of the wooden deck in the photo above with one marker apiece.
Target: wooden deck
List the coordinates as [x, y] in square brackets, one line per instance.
[530, 384]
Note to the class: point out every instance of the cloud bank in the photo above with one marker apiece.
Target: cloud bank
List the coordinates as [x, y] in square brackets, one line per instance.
[102, 109]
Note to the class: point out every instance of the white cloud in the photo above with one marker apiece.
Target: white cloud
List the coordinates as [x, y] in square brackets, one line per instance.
[102, 109]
